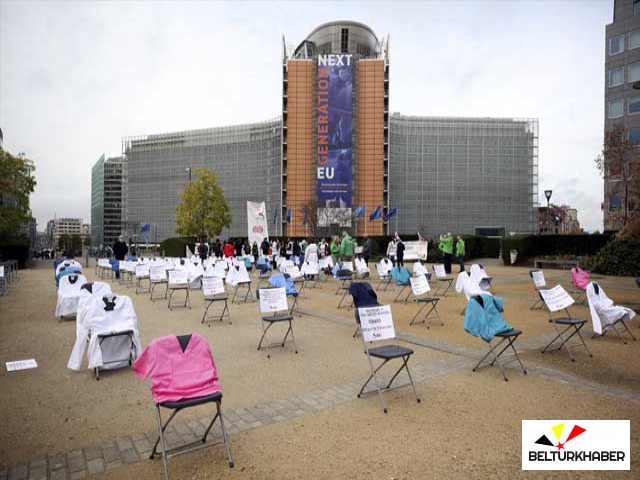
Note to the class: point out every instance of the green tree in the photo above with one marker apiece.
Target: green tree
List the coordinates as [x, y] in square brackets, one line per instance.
[64, 242]
[203, 210]
[16, 184]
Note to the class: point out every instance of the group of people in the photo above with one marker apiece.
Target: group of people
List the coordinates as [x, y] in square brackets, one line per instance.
[446, 247]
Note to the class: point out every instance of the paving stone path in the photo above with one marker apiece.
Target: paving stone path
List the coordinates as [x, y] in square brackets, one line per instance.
[127, 450]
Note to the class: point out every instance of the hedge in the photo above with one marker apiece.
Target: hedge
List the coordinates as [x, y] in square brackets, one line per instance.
[176, 246]
[15, 248]
[531, 246]
[619, 257]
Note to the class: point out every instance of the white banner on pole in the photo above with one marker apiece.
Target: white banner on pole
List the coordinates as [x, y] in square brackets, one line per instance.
[415, 251]
[257, 222]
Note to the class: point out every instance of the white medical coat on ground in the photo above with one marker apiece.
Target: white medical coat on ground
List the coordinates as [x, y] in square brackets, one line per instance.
[97, 321]
[603, 311]
[68, 294]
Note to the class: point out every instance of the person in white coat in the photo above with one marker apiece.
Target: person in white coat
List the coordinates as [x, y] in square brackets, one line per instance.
[391, 251]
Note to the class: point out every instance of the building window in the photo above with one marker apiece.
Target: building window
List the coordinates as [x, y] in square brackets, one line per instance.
[634, 39]
[616, 45]
[636, 8]
[634, 105]
[344, 41]
[634, 72]
[616, 109]
[615, 203]
[634, 135]
[616, 76]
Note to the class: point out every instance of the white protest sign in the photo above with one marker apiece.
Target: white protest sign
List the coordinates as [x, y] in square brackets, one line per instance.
[21, 365]
[273, 300]
[177, 277]
[212, 286]
[439, 270]
[157, 274]
[142, 271]
[556, 298]
[538, 278]
[376, 323]
[415, 251]
[419, 285]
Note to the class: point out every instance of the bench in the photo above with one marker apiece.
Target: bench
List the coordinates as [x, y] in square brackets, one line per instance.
[562, 264]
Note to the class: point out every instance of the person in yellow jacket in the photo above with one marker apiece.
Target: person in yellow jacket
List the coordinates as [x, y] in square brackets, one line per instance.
[446, 247]
[460, 252]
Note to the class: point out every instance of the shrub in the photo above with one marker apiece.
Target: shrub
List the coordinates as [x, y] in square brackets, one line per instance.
[176, 246]
[531, 246]
[15, 248]
[619, 257]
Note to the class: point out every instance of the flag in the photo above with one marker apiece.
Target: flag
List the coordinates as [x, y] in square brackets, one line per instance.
[275, 216]
[304, 220]
[390, 214]
[359, 211]
[421, 237]
[288, 220]
[377, 213]
[145, 227]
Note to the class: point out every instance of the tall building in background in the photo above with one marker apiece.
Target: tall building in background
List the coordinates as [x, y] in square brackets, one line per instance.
[63, 226]
[459, 174]
[622, 101]
[245, 158]
[107, 182]
[336, 148]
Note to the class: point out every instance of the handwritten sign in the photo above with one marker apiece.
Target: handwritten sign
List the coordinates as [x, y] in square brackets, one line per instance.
[438, 269]
[158, 274]
[376, 323]
[178, 277]
[556, 298]
[419, 285]
[273, 300]
[415, 251]
[142, 271]
[21, 365]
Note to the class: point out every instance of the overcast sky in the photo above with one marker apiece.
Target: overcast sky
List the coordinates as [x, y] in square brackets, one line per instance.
[76, 77]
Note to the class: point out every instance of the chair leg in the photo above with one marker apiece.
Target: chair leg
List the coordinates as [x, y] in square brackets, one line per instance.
[375, 380]
[224, 435]
[161, 440]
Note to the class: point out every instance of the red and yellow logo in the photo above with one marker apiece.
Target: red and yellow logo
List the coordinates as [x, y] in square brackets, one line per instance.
[557, 431]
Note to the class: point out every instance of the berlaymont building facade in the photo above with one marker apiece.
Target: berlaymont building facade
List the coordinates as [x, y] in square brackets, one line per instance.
[334, 147]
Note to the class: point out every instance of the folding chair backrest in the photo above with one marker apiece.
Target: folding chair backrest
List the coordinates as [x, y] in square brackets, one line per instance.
[556, 298]
[157, 274]
[71, 283]
[104, 262]
[272, 300]
[178, 277]
[212, 286]
[361, 265]
[309, 268]
[363, 294]
[347, 266]
[293, 271]
[419, 269]
[438, 269]
[538, 278]
[419, 285]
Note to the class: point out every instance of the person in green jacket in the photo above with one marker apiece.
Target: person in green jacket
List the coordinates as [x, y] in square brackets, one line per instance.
[446, 247]
[347, 247]
[334, 249]
[460, 252]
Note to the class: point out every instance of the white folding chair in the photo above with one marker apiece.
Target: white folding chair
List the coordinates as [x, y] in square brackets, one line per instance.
[274, 309]
[214, 291]
[539, 283]
[157, 276]
[376, 325]
[420, 289]
[557, 299]
[442, 278]
[179, 280]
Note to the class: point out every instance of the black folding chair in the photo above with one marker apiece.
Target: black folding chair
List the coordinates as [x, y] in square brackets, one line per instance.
[179, 405]
[214, 292]
[384, 274]
[365, 298]
[178, 280]
[274, 309]
[115, 337]
[142, 274]
[539, 283]
[598, 291]
[420, 290]
[555, 300]
[441, 276]
[495, 351]
[158, 276]
[345, 279]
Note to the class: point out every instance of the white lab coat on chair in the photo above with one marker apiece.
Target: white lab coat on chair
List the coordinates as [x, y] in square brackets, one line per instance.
[603, 311]
[69, 294]
[96, 321]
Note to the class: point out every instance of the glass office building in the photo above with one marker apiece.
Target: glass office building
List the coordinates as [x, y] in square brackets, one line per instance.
[245, 158]
[106, 201]
[459, 174]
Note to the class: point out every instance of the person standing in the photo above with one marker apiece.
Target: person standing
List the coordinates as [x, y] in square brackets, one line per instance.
[400, 251]
[366, 249]
[203, 250]
[446, 247]
[311, 253]
[264, 246]
[334, 249]
[119, 251]
[391, 251]
[460, 252]
[347, 247]
[254, 250]
[228, 249]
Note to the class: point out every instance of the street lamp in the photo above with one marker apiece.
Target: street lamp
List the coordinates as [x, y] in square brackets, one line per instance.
[188, 170]
[547, 193]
